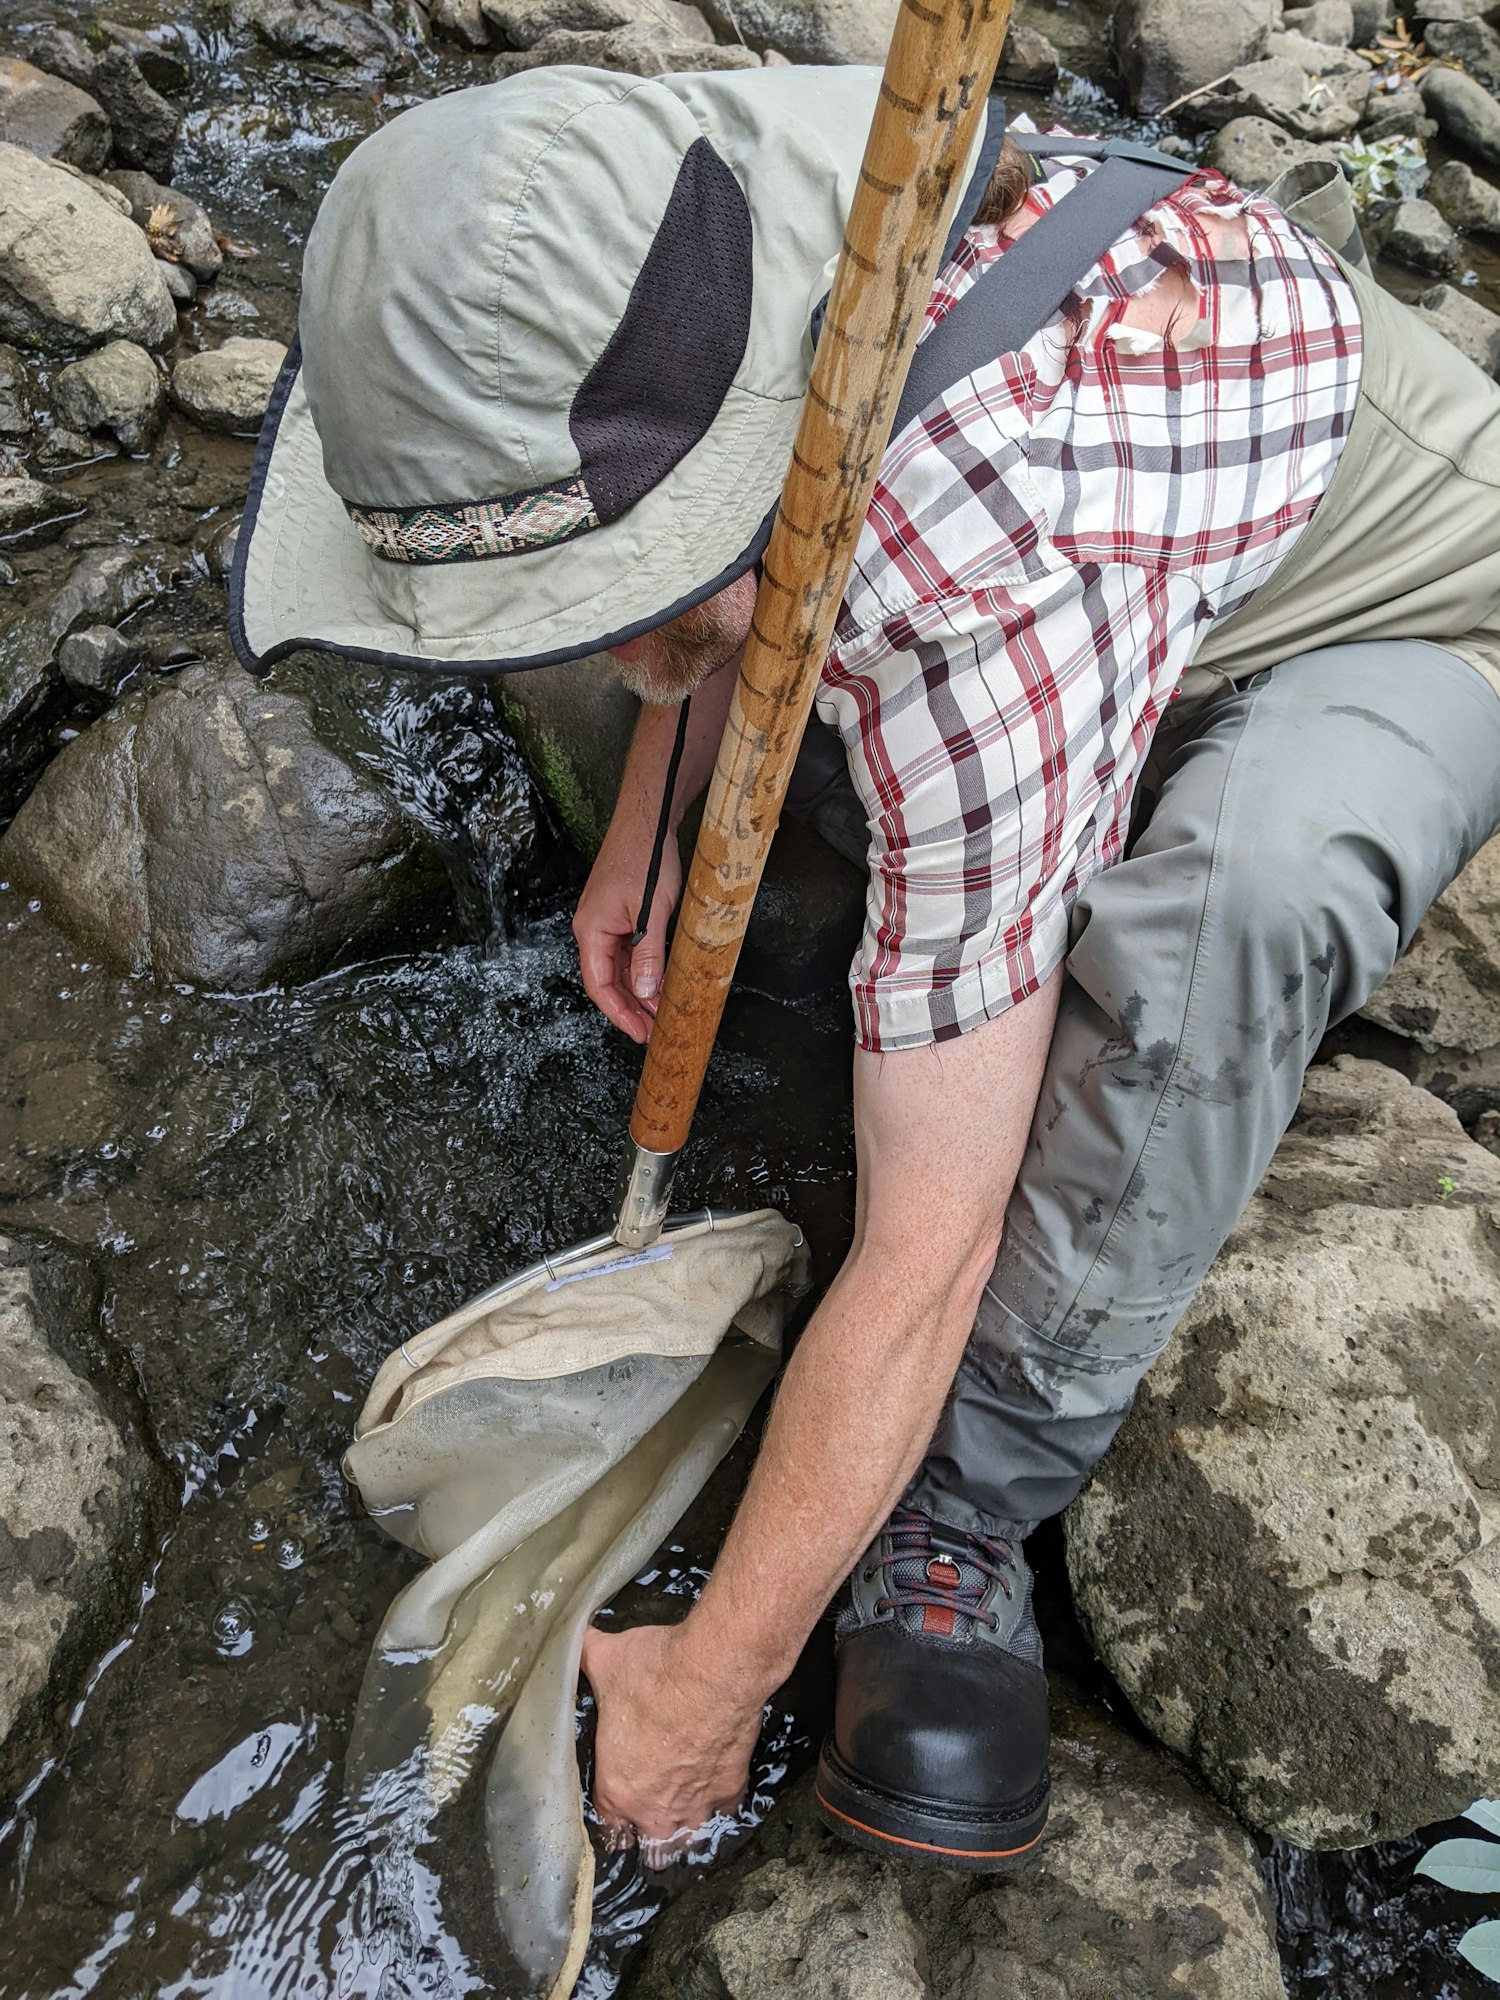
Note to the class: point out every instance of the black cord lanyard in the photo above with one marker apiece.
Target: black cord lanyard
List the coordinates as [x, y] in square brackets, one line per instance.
[663, 824]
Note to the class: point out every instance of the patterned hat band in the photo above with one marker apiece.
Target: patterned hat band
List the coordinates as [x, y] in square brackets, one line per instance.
[478, 529]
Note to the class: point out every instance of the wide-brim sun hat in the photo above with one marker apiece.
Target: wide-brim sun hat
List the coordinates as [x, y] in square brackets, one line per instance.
[553, 342]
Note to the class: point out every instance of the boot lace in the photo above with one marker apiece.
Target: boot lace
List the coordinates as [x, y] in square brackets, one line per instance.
[915, 1540]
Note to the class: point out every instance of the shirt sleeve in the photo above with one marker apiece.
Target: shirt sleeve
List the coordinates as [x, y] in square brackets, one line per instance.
[995, 739]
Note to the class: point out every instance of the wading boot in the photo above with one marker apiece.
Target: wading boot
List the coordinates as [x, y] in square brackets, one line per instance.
[939, 1741]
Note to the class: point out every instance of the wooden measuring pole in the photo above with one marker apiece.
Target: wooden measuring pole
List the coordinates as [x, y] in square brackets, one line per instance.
[942, 57]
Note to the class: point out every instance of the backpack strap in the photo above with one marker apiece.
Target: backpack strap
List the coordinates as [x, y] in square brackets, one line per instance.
[1021, 290]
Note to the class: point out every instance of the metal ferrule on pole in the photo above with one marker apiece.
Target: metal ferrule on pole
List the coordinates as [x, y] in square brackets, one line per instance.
[648, 1190]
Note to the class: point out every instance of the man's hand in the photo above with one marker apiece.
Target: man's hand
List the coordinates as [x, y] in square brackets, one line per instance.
[672, 1747]
[623, 980]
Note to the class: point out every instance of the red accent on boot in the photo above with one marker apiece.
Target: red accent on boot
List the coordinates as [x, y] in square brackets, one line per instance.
[942, 1574]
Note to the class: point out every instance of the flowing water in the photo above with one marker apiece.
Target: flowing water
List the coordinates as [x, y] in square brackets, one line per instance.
[272, 1191]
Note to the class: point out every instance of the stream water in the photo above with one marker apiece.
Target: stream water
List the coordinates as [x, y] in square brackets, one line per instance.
[273, 1191]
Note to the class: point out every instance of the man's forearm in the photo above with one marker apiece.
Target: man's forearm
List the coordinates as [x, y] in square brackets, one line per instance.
[645, 773]
[862, 1394]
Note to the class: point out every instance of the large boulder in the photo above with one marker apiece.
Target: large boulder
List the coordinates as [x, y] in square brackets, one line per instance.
[1415, 234]
[203, 832]
[352, 40]
[178, 227]
[1308, 103]
[814, 31]
[1252, 152]
[1141, 1887]
[1167, 48]
[1445, 993]
[73, 270]
[77, 1495]
[1287, 1559]
[143, 122]
[50, 117]
[1465, 198]
[1473, 329]
[646, 50]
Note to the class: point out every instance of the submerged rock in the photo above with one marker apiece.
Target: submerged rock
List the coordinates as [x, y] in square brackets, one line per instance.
[77, 1495]
[329, 31]
[115, 389]
[811, 31]
[1287, 1559]
[201, 831]
[1140, 1886]
[1167, 48]
[73, 272]
[229, 388]
[1445, 993]
[50, 117]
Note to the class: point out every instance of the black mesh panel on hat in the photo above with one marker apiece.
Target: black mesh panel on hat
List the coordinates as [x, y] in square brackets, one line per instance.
[659, 384]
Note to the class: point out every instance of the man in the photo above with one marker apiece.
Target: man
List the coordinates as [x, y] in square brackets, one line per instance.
[1231, 510]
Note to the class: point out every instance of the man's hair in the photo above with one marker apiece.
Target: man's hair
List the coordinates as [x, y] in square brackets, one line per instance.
[1009, 185]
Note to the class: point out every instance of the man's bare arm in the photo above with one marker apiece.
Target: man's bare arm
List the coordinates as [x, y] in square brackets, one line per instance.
[620, 978]
[940, 1133]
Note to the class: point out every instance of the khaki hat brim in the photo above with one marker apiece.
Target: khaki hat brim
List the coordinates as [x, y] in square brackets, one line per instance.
[303, 576]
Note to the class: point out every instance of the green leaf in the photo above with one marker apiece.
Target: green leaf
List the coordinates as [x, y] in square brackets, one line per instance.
[1481, 1947]
[1485, 1813]
[1464, 1864]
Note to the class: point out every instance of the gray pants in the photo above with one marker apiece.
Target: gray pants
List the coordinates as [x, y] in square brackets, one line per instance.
[1302, 826]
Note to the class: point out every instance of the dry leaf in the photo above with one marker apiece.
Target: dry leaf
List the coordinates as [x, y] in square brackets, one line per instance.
[161, 233]
[233, 247]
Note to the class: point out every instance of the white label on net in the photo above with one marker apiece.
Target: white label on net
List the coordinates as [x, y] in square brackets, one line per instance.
[652, 1256]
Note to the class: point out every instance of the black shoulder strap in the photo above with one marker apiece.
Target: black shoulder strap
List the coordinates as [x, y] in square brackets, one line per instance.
[1023, 289]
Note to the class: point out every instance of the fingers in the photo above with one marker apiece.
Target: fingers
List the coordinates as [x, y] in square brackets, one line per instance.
[605, 965]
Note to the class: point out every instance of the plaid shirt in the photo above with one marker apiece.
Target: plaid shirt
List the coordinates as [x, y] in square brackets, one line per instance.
[1043, 551]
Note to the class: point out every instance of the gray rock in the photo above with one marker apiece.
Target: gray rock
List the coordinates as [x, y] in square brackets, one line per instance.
[1288, 1558]
[462, 21]
[331, 31]
[1421, 13]
[1413, 233]
[1140, 1887]
[62, 450]
[180, 282]
[1465, 198]
[114, 389]
[1329, 21]
[31, 511]
[50, 117]
[61, 53]
[105, 585]
[15, 394]
[1252, 152]
[161, 51]
[809, 31]
[228, 388]
[97, 659]
[1028, 60]
[1445, 993]
[1396, 114]
[202, 832]
[144, 123]
[520, 24]
[634, 51]
[76, 1494]
[177, 227]
[1372, 18]
[1472, 43]
[1284, 90]
[1167, 48]
[73, 272]
[216, 543]
[1473, 329]
[1465, 111]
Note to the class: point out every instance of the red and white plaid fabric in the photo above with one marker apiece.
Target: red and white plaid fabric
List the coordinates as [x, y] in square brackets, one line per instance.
[1043, 551]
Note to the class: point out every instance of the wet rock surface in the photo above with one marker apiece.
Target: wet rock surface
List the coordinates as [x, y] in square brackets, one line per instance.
[1288, 1557]
[51, 117]
[1141, 1886]
[78, 1498]
[201, 831]
[117, 390]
